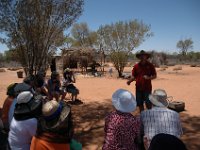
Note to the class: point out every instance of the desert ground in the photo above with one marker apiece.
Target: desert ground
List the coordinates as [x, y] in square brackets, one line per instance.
[96, 92]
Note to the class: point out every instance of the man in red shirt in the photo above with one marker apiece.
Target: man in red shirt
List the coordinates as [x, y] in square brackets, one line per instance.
[143, 73]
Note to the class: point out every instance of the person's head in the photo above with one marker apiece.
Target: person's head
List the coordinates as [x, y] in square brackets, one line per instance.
[55, 76]
[66, 72]
[123, 101]
[159, 98]
[27, 106]
[41, 74]
[143, 56]
[21, 87]
[166, 142]
[55, 114]
[11, 90]
[29, 80]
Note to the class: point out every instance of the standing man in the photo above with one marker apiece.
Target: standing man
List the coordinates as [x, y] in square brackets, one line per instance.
[143, 72]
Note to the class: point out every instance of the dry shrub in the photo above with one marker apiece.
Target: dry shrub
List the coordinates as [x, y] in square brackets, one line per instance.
[194, 65]
[2, 70]
[15, 69]
[177, 68]
[162, 69]
[171, 64]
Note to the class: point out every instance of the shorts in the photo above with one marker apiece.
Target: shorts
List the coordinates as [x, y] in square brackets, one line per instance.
[142, 97]
[72, 89]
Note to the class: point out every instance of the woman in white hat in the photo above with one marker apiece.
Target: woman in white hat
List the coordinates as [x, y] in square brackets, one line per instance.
[160, 119]
[121, 127]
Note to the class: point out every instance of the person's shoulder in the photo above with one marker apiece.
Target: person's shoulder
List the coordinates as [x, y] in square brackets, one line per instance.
[172, 111]
[146, 113]
[150, 64]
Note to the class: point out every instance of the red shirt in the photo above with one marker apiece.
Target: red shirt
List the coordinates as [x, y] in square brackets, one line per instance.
[121, 130]
[139, 71]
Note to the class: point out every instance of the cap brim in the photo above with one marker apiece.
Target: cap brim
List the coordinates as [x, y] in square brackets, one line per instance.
[139, 55]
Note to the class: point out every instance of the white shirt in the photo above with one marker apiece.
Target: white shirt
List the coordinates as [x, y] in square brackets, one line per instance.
[161, 120]
[21, 133]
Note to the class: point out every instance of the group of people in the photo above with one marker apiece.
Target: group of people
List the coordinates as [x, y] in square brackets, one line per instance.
[157, 128]
[36, 123]
[35, 111]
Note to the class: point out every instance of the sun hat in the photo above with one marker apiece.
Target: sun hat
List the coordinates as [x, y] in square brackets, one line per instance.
[67, 70]
[27, 104]
[159, 98]
[54, 114]
[142, 52]
[10, 89]
[20, 87]
[124, 101]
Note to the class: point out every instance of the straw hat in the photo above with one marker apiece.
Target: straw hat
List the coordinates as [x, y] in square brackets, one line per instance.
[159, 98]
[142, 52]
[27, 104]
[124, 101]
[54, 114]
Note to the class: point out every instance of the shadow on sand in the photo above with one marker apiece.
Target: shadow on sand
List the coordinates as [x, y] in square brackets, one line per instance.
[89, 125]
[191, 131]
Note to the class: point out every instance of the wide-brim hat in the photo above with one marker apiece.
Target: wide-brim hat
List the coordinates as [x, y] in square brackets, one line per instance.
[54, 114]
[159, 98]
[142, 52]
[27, 104]
[21, 87]
[124, 101]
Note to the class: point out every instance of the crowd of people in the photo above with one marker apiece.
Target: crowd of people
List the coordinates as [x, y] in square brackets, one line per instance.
[35, 115]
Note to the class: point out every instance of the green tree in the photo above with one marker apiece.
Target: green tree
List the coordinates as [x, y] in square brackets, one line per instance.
[184, 46]
[81, 35]
[34, 28]
[121, 38]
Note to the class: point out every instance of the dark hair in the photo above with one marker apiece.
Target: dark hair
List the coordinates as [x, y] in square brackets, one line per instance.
[166, 142]
[54, 75]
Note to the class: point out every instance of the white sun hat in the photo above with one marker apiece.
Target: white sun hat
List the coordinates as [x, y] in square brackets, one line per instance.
[159, 98]
[24, 97]
[124, 101]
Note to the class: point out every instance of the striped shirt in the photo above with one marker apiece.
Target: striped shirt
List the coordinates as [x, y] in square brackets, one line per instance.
[161, 120]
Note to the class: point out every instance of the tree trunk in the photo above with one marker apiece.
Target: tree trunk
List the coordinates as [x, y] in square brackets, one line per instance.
[119, 73]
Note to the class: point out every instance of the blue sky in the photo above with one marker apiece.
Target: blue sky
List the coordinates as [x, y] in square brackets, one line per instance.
[170, 20]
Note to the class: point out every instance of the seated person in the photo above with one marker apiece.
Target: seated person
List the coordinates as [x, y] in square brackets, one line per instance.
[55, 128]
[7, 104]
[166, 142]
[54, 87]
[24, 123]
[122, 129]
[160, 119]
[69, 79]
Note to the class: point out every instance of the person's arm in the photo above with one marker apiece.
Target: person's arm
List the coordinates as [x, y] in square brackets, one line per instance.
[153, 74]
[131, 80]
[73, 78]
[150, 77]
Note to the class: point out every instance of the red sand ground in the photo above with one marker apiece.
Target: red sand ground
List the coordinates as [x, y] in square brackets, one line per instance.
[96, 93]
